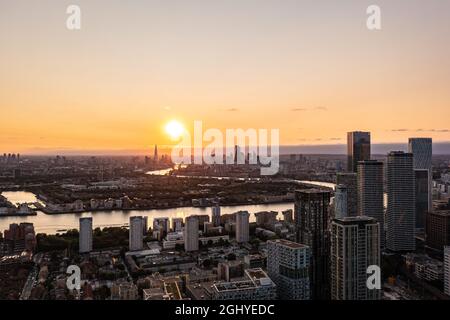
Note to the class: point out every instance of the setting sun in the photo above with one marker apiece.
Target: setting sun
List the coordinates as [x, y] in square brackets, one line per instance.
[174, 129]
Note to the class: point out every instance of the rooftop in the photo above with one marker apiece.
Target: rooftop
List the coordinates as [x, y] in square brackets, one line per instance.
[290, 244]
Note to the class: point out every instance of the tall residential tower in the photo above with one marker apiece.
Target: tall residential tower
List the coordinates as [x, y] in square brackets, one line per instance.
[400, 214]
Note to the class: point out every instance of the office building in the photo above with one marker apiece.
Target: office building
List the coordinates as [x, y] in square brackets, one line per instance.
[340, 201]
[85, 235]
[355, 246]
[400, 215]
[136, 234]
[242, 226]
[288, 266]
[190, 234]
[422, 150]
[358, 149]
[350, 180]
[370, 193]
[438, 229]
[311, 216]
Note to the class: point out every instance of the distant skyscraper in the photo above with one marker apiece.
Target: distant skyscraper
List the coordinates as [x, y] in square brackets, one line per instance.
[145, 225]
[311, 220]
[400, 215]
[350, 180]
[215, 215]
[288, 216]
[191, 234]
[447, 271]
[422, 150]
[358, 149]
[340, 201]
[85, 240]
[177, 224]
[354, 247]
[155, 154]
[136, 233]
[288, 266]
[370, 192]
[162, 224]
[242, 226]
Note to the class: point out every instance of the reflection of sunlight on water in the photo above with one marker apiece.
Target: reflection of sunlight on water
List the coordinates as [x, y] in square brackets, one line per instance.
[19, 196]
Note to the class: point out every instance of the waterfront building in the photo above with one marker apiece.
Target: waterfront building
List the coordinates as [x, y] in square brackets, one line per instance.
[85, 235]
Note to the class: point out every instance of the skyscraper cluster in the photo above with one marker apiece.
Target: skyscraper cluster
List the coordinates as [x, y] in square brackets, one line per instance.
[343, 246]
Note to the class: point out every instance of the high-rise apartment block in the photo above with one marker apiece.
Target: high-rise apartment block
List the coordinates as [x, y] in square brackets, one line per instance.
[400, 215]
[190, 234]
[85, 235]
[422, 150]
[438, 229]
[288, 266]
[311, 220]
[340, 201]
[242, 226]
[215, 215]
[136, 233]
[355, 246]
[350, 181]
[370, 192]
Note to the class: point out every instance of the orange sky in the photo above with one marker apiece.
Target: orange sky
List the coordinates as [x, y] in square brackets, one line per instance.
[312, 70]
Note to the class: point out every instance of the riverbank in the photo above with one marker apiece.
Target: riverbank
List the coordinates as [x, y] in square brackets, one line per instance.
[235, 204]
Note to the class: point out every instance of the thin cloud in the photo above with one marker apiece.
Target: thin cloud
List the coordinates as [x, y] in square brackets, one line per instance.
[232, 110]
[321, 108]
[298, 109]
[399, 130]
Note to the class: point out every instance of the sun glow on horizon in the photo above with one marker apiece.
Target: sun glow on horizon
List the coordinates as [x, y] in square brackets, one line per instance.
[174, 129]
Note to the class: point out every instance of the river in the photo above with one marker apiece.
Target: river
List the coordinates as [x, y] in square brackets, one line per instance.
[51, 224]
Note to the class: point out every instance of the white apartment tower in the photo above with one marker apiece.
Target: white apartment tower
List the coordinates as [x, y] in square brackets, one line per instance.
[136, 233]
[340, 201]
[242, 226]
[85, 238]
[190, 234]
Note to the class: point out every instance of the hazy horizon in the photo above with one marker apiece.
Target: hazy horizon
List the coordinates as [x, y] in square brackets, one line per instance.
[440, 148]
